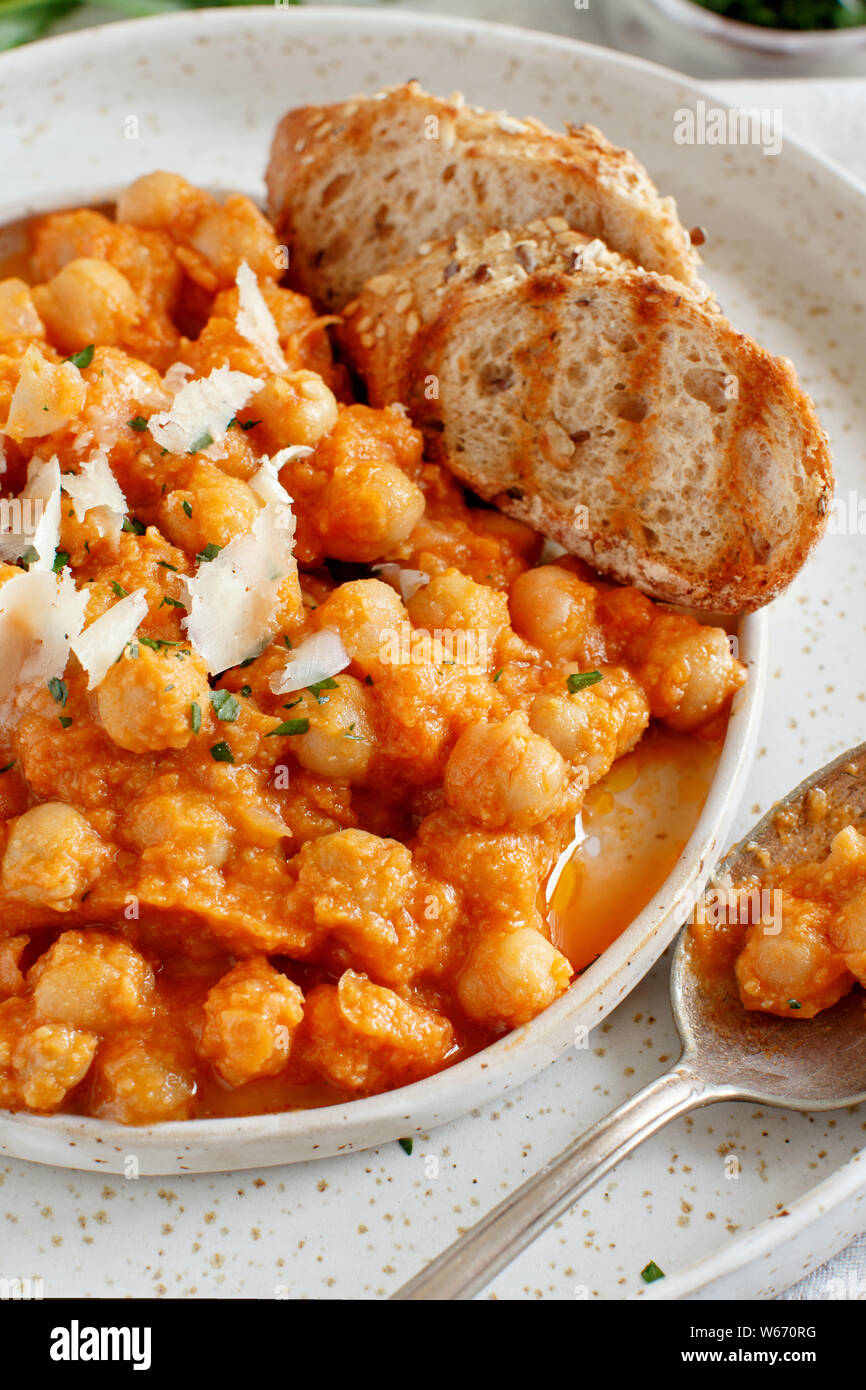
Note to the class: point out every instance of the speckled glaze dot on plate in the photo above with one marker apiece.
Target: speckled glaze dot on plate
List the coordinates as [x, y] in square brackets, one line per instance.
[200, 93]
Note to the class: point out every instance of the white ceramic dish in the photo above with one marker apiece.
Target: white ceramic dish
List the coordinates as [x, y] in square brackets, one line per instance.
[162, 102]
[201, 89]
[687, 35]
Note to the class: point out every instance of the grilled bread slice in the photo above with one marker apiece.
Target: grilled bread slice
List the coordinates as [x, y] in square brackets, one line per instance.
[606, 406]
[358, 187]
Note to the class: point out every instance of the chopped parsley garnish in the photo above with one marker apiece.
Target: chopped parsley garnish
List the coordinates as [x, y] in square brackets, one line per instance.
[292, 703]
[288, 727]
[318, 686]
[167, 566]
[172, 603]
[132, 523]
[137, 423]
[246, 690]
[7, 767]
[221, 753]
[64, 720]
[794, 1004]
[651, 1272]
[203, 442]
[82, 358]
[249, 424]
[225, 705]
[407, 1145]
[195, 717]
[158, 644]
[61, 558]
[30, 556]
[210, 552]
[59, 690]
[497, 674]
[579, 680]
[287, 643]
[350, 733]
[118, 588]
[187, 506]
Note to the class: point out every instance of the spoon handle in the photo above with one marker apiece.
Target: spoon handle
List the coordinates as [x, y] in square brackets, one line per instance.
[474, 1258]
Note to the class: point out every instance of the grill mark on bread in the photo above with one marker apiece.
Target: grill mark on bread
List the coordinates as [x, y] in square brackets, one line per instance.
[695, 497]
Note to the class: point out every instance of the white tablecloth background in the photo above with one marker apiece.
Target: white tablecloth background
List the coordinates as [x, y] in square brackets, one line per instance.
[830, 114]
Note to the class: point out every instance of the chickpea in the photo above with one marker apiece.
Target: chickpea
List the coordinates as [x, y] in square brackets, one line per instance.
[183, 824]
[353, 874]
[221, 507]
[88, 301]
[18, 316]
[365, 509]
[236, 231]
[298, 408]
[511, 976]
[144, 702]
[453, 600]
[143, 1078]
[156, 200]
[92, 979]
[340, 740]
[848, 933]
[52, 856]
[797, 963]
[556, 612]
[688, 671]
[363, 1037]
[628, 704]
[43, 1061]
[504, 775]
[250, 1019]
[581, 726]
[369, 616]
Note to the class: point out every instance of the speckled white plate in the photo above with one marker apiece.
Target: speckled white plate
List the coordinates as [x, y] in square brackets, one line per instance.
[200, 93]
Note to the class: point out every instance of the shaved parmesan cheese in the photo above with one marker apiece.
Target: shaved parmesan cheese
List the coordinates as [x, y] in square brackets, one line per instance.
[39, 615]
[202, 411]
[176, 376]
[32, 520]
[46, 398]
[94, 485]
[266, 483]
[100, 644]
[255, 322]
[406, 582]
[317, 659]
[46, 537]
[233, 599]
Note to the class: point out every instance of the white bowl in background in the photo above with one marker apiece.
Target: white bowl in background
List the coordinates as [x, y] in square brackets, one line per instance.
[685, 35]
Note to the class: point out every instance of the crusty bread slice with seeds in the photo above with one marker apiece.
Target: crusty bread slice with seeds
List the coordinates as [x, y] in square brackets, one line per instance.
[607, 406]
[358, 187]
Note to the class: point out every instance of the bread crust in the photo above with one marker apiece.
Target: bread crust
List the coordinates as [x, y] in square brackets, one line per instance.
[358, 187]
[698, 470]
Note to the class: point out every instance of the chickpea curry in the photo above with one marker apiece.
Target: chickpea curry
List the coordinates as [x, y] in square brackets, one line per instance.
[292, 730]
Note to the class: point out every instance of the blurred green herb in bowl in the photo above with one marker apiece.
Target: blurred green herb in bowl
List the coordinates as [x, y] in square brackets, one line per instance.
[23, 20]
[791, 14]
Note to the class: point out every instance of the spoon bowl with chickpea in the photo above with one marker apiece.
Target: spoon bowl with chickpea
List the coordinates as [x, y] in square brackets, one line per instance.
[764, 990]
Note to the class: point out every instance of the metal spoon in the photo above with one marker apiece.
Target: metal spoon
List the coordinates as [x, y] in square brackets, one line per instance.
[727, 1052]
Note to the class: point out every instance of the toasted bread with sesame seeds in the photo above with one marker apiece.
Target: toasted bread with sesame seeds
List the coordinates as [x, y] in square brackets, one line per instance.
[358, 187]
[607, 406]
